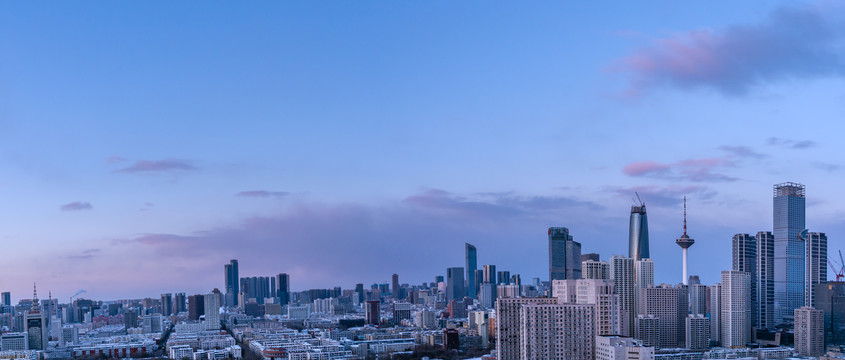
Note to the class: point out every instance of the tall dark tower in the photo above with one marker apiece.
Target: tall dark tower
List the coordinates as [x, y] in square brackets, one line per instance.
[564, 255]
[232, 288]
[685, 242]
[471, 266]
[638, 233]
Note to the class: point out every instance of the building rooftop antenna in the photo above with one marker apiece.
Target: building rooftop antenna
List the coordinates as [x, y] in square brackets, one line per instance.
[685, 214]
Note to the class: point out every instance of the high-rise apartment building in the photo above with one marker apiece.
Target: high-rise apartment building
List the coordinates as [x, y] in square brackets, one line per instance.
[509, 326]
[196, 307]
[790, 254]
[736, 308]
[471, 255]
[765, 311]
[231, 283]
[816, 249]
[698, 299]
[564, 255]
[179, 303]
[670, 305]
[744, 258]
[809, 331]
[622, 274]
[697, 332]
[6, 298]
[594, 292]
[167, 304]
[638, 233]
[648, 330]
[455, 283]
[212, 311]
[594, 269]
[716, 312]
[557, 331]
[373, 313]
[644, 277]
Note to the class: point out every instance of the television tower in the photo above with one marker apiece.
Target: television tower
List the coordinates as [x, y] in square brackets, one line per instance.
[685, 242]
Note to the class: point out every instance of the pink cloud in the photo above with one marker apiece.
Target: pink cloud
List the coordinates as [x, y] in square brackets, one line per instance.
[792, 42]
[697, 170]
[644, 167]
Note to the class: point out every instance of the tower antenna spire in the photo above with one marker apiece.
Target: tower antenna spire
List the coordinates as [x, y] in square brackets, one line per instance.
[685, 214]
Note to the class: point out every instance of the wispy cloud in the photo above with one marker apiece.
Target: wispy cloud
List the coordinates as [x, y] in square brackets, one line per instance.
[664, 196]
[85, 255]
[696, 170]
[825, 166]
[790, 144]
[158, 166]
[742, 151]
[76, 206]
[793, 42]
[115, 159]
[262, 194]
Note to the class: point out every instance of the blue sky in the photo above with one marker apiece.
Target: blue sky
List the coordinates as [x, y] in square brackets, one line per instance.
[143, 144]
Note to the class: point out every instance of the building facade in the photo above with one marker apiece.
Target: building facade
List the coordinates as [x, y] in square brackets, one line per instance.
[789, 250]
[735, 309]
[638, 233]
[809, 331]
[564, 255]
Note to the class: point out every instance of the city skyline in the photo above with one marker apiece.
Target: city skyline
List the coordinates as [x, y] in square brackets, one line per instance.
[308, 141]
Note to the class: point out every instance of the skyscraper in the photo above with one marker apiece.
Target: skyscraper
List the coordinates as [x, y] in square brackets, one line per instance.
[638, 233]
[816, 248]
[564, 255]
[509, 325]
[35, 325]
[716, 312]
[231, 282]
[594, 269]
[179, 303]
[685, 242]
[745, 259]
[736, 308]
[196, 306]
[830, 298]
[670, 305]
[373, 314]
[643, 277]
[489, 274]
[212, 310]
[167, 304]
[471, 266]
[622, 274]
[789, 221]
[697, 332]
[455, 283]
[394, 282]
[6, 298]
[765, 280]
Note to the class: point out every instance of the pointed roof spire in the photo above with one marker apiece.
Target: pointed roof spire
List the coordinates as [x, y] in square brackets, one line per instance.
[35, 306]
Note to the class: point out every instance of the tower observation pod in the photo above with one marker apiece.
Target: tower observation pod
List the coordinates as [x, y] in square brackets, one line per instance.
[685, 242]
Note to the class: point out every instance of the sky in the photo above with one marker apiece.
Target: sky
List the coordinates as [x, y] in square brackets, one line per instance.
[144, 144]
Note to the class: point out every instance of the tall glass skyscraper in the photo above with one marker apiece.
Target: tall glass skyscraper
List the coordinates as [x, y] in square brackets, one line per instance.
[638, 233]
[745, 260]
[564, 255]
[232, 278]
[789, 221]
[471, 266]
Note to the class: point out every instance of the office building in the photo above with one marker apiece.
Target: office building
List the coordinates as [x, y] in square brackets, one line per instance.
[232, 284]
[789, 253]
[14, 341]
[716, 313]
[558, 331]
[401, 311]
[685, 242]
[765, 311]
[509, 325]
[503, 277]
[394, 286]
[622, 348]
[830, 299]
[283, 289]
[455, 283]
[590, 256]
[744, 258]
[670, 305]
[212, 310]
[479, 279]
[816, 249]
[648, 330]
[196, 307]
[622, 274]
[697, 332]
[564, 255]
[487, 295]
[594, 269]
[735, 308]
[638, 233]
[35, 325]
[471, 260]
[373, 314]
[809, 331]
[6, 298]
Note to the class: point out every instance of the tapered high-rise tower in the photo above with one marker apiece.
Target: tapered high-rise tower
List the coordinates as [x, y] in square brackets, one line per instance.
[638, 233]
[685, 242]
